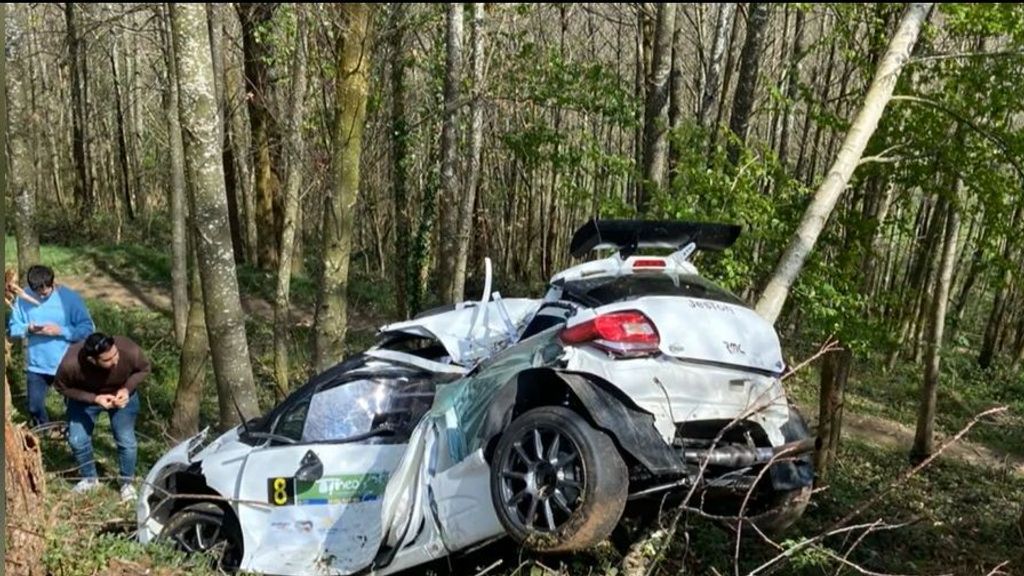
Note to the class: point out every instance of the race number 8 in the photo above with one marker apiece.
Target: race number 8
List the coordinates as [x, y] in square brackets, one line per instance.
[280, 491]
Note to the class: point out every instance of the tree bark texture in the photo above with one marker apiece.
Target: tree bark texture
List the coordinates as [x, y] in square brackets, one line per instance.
[924, 435]
[351, 87]
[295, 151]
[656, 108]
[723, 31]
[255, 20]
[225, 320]
[746, 83]
[476, 136]
[176, 185]
[449, 151]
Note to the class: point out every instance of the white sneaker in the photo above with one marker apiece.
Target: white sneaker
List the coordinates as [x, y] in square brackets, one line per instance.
[128, 493]
[85, 485]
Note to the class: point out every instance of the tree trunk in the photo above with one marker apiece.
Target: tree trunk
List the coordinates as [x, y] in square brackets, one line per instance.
[293, 183]
[195, 351]
[351, 86]
[476, 136]
[26, 523]
[746, 84]
[995, 319]
[814, 219]
[21, 172]
[176, 184]
[255, 19]
[237, 130]
[122, 137]
[792, 85]
[225, 320]
[401, 278]
[24, 514]
[215, 23]
[449, 148]
[924, 437]
[656, 109]
[723, 31]
[677, 93]
[835, 371]
[83, 184]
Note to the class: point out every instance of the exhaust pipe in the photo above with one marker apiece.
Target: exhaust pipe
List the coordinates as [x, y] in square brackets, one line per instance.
[743, 456]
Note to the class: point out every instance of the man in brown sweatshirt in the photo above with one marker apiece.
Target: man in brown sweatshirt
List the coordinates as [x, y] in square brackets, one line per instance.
[101, 374]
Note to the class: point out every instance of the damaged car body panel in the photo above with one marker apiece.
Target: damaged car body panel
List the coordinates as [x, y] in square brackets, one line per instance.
[632, 378]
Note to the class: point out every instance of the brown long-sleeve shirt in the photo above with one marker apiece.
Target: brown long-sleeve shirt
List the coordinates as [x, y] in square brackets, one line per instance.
[79, 379]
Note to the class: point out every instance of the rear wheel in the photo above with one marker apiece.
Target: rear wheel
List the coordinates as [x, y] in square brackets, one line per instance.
[205, 528]
[558, 484]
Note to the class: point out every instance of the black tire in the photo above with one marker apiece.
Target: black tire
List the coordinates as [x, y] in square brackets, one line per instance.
[557, 496]
[206, 528]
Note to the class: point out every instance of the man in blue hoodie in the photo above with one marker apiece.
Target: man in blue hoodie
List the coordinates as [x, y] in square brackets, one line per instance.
[50, 318]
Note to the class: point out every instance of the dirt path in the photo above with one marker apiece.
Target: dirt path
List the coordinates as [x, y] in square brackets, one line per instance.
[887, 433]
[99, 285]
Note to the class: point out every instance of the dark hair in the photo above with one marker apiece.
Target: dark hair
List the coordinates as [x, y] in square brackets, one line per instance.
[97, 343]
[39, 276]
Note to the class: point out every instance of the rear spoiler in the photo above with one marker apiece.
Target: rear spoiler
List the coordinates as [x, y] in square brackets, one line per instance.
[628, 235]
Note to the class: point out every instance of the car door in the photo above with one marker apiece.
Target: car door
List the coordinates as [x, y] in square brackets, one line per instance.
[314, 506]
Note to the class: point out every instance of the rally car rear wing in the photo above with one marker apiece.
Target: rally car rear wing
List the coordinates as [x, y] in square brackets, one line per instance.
[628, 235]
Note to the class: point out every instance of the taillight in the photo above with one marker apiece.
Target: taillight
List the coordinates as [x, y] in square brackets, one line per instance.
[648, 263]
[627, 333]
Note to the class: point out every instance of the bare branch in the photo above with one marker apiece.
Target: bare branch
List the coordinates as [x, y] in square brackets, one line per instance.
[831, 345]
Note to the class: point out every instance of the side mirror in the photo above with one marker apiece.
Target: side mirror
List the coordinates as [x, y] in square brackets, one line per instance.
[310, 469]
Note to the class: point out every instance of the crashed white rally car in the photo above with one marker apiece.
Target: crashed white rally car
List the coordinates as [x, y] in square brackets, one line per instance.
[633, 378]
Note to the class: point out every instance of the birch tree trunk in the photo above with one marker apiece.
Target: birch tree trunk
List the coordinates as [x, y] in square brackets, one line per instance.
[351, 87]
[295, 150]
[924, 436]
[176, 183]
[746, 84]
[723, 31]
[656, 108]
[225, 320]
[449, 149]
[774, 296]
[476, 135]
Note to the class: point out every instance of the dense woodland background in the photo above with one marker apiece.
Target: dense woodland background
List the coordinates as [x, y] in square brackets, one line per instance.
[350, 165]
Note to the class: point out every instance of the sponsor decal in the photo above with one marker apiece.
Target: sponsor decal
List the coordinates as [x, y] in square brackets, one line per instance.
[337, 489]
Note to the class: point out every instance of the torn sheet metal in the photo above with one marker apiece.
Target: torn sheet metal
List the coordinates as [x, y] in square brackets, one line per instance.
[474, 331]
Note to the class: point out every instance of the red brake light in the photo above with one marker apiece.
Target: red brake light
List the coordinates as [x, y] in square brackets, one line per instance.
[628, 333]
[648, 263]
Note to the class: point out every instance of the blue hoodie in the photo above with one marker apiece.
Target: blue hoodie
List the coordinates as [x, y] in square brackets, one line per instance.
[63, 307]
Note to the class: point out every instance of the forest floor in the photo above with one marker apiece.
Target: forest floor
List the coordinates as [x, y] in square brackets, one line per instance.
[960, 513]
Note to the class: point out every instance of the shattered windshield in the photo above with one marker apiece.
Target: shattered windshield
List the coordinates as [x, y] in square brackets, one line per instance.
[358, 407]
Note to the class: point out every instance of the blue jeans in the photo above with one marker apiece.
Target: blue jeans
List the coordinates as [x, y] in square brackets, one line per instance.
[82, 419]
[37, 385]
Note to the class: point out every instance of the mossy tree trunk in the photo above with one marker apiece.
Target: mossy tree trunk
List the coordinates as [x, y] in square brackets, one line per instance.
[350, 92]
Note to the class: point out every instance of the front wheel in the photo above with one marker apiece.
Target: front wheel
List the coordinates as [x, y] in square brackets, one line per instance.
[205, 528]
[558, 484]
